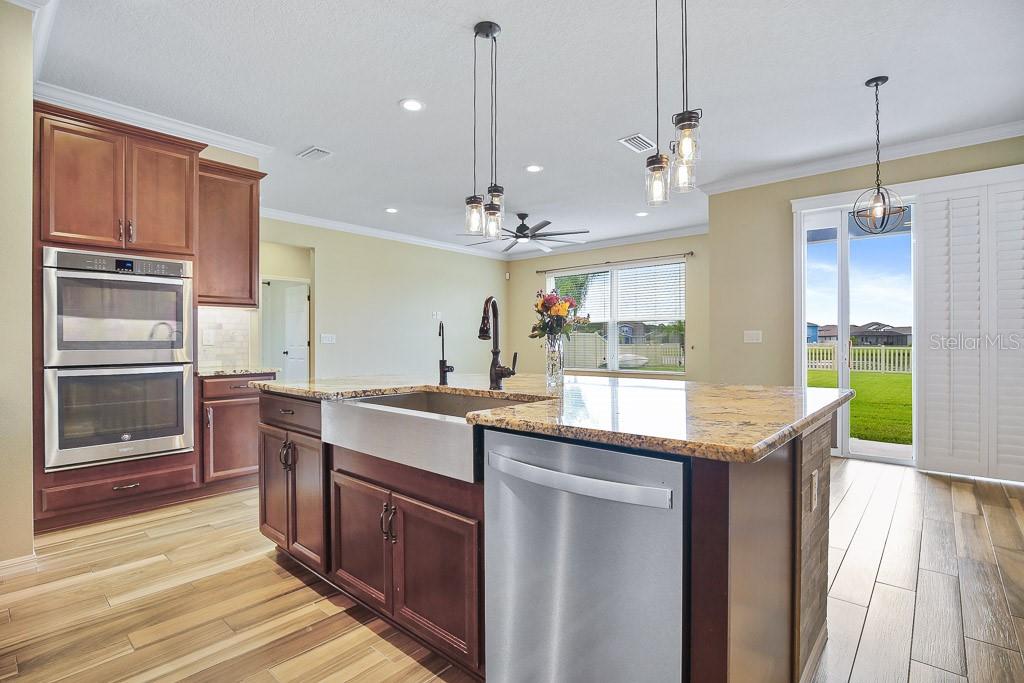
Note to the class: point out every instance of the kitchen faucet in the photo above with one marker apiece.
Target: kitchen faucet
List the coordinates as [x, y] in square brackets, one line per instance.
[443, 364]
[498, 371]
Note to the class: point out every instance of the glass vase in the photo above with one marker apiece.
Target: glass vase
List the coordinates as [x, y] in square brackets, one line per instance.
[554, 366]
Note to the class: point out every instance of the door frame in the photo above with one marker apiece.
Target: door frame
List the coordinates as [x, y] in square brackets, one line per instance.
[910, 191]
[257, 331]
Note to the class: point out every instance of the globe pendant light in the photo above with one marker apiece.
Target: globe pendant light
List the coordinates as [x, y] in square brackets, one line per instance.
[878, 210]
[657, 172]
[686, 147]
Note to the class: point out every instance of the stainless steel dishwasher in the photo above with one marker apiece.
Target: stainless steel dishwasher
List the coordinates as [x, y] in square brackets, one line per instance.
[584, 563]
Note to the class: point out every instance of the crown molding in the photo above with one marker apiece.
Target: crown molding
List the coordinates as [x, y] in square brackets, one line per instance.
[30, 5]
[42, 27]
[340, 226]
[72, 99]
[866, 157]
[615, 242]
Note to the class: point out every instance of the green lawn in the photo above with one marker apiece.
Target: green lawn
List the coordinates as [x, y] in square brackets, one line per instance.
[881, 410]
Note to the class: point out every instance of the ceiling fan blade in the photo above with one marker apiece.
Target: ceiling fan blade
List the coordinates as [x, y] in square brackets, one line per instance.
[476, 244]
[511, 232]
[539, 226]
[548, 239]
[510, 245]
[541, 246]
[563, 232]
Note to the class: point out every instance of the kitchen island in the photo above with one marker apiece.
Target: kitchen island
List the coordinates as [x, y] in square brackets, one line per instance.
[752, 506]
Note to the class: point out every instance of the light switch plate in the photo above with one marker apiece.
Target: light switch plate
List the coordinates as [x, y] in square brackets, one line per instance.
[328, 338]
[751, 336]
[814, 490]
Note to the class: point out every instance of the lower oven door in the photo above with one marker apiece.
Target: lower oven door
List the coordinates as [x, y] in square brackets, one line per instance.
[98, 415]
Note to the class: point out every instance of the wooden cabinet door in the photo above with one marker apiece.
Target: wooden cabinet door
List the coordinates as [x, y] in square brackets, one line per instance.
[308, 505]
[81, 185]
[436, 583]
[360, 547]
[161, 199]
[231, 444]
[274, 482]
[227, 241]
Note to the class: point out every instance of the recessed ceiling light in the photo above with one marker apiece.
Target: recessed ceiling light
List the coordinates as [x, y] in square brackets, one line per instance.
[391, 210]
[410, 104]
[641, 214]
[534, 168]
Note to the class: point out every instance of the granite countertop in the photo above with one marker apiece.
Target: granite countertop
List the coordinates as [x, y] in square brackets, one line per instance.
[732, 423]
[242, 370]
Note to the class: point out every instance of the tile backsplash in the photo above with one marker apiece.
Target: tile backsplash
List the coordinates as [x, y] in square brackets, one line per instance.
[225, 337]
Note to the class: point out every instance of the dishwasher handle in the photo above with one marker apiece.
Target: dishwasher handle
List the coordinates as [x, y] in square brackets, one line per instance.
[632, 494]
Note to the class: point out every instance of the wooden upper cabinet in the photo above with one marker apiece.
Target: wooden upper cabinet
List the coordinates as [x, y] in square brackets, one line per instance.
[161, 197]
[81, 184]
[228, 239]
[107, 184]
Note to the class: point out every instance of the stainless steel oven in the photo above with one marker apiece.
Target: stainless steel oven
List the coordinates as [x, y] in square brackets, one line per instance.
[98, 415]
[115, 309]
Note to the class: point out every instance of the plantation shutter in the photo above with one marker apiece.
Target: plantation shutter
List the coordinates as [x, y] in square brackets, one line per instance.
[952, 363]
[1006, 206]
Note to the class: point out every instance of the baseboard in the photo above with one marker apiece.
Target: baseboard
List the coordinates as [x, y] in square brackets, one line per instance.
[815, 659]
[17, 560]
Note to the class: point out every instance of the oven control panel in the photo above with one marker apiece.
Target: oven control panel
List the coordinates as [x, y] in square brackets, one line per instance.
[113, 263]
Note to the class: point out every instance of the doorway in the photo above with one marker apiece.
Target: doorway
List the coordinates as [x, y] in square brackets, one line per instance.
[858, 313]
[284, 327]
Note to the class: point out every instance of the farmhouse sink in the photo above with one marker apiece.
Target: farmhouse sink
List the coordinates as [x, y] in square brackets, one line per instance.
[422, 429]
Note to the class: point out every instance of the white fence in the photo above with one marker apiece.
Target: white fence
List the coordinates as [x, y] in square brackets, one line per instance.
[589, 350]
[862, 358]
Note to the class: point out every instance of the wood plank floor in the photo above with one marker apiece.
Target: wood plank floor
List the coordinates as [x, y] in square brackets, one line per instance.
[926, 577]
[190, 592]
[926, 580]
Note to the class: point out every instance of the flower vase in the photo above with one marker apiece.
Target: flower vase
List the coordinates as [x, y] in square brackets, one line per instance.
[554, 361]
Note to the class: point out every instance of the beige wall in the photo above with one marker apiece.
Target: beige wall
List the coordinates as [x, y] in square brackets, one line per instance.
[751, 243]
[228, 157]
[377, 297]
[15, 281]
[285, 261]
[525, 281]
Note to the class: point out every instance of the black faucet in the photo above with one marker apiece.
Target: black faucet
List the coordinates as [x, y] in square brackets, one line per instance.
[498, 371]
[443, 364]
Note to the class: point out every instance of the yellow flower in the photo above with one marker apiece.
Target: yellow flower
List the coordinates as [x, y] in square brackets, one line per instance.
[560, 309]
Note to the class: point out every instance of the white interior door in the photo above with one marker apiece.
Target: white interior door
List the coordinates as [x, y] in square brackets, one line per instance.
[296, 333]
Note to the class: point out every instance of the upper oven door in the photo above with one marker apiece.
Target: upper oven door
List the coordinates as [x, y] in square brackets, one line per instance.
[113, 319]
[98, 415]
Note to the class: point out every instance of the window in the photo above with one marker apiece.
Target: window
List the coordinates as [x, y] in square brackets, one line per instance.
[637, 317]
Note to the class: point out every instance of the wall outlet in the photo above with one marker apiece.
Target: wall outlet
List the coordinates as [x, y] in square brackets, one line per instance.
[814, 490]
[751, 336]
[328, 338]
[209, 338]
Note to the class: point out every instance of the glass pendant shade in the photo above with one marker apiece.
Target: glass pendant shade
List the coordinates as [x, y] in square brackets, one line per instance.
[683, 176]
[474, 214]
[879, 210]
[657, 177]
[496, 195]
[492, 221]
[687, 143]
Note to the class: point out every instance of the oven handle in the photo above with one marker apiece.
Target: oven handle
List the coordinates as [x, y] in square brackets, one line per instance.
[121, 277]
[185, 368]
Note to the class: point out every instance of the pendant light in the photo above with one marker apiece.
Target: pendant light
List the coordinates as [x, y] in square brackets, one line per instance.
[686, 147]
[657, 173]
[878, 210]
[474, 202]
[494, 206]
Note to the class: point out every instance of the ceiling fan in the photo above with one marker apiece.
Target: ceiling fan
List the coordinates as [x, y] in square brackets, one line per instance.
[524, 233]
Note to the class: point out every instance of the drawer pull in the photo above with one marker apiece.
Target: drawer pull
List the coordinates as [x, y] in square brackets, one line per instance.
[286, 411]
[239, 386]
[122, 487]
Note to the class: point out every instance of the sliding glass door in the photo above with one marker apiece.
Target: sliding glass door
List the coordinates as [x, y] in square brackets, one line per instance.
[858, 312]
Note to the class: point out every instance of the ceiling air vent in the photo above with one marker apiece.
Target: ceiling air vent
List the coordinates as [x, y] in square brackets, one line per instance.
[637, 142]
[314, 154]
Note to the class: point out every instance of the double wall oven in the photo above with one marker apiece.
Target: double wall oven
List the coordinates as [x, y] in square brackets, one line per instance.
[117, 357]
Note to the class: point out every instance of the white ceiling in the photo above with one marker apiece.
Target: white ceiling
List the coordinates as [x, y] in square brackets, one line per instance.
[779, 82]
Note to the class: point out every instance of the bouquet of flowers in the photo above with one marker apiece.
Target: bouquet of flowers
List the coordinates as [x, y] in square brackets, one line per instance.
[556, 315]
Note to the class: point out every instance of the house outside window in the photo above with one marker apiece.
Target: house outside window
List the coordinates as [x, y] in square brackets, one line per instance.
[644, 307]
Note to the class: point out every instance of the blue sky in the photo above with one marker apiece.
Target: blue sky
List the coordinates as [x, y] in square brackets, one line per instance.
[880, 281]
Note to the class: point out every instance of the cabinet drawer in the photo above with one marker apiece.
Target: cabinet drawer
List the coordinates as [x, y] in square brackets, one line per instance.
[234, 386]
[290, 413]
[116, 488]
